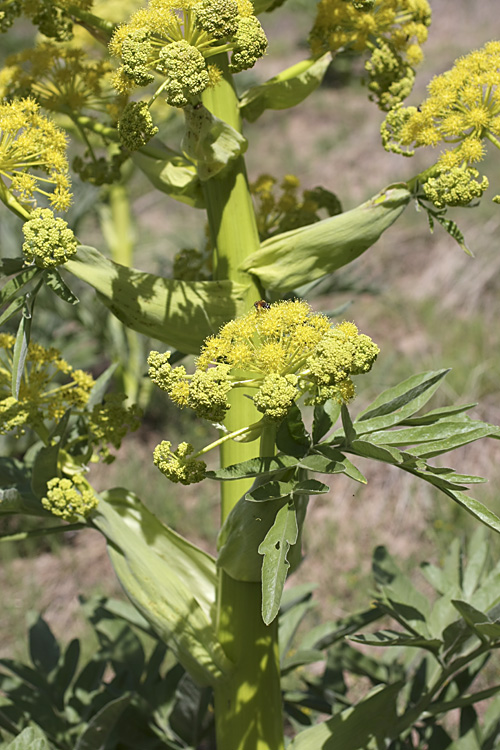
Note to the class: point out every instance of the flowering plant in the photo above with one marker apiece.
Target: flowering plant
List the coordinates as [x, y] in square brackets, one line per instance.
[275, 377]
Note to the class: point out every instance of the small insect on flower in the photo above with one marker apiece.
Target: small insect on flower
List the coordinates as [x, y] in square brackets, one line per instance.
[261, 304]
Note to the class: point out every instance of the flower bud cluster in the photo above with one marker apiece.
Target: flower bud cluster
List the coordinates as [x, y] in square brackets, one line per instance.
[177, 38]
[70, 499]
[110, 421]
[49, 241]
[462, 112]
[176, 465]
[288, 211]
[392, 31]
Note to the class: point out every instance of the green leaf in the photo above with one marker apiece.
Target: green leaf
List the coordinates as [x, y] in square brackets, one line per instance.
[211, 143]
[356, 727]
[475, 508]
[398, 403]
[396, 638]
[385, 453]
[16, 495]
[11, 310]
[44, 648]
[300, 658]
[349, 430]
[282, 535]
[170, 581]
[54, 281]
[442, 707]
[292, 437]
[287, 89]
[170, 172]
[180, 313]
[333, 463]
[289, 260]
[261, 467]
[440, 431]
[12, 287]
[21, 348]
[325, 417]
[244, 530]
[98, 730]
[31, 738]
[435, 415]
[10, 266]
[269, 491]
[474, 431]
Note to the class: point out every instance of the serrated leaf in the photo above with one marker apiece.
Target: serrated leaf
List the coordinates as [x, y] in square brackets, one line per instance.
[287, 89]
[281, 536]
[54, 281]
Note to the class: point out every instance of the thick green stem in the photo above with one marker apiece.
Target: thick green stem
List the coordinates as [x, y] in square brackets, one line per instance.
[248, 711]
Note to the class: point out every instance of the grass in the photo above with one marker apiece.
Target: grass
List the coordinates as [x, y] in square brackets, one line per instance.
[430, 306]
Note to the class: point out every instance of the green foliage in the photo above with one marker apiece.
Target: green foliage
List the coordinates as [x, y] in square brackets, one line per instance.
[129, 693]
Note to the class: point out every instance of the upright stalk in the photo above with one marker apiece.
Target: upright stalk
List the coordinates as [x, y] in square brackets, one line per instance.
[248, 712]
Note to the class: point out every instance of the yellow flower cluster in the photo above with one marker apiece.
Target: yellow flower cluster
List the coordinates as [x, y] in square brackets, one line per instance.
[462, 110]
[60, 78]
[343, 23]
[70, 499]
[284, 350]
[40, 397]
[29, 141]
[391, 30]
